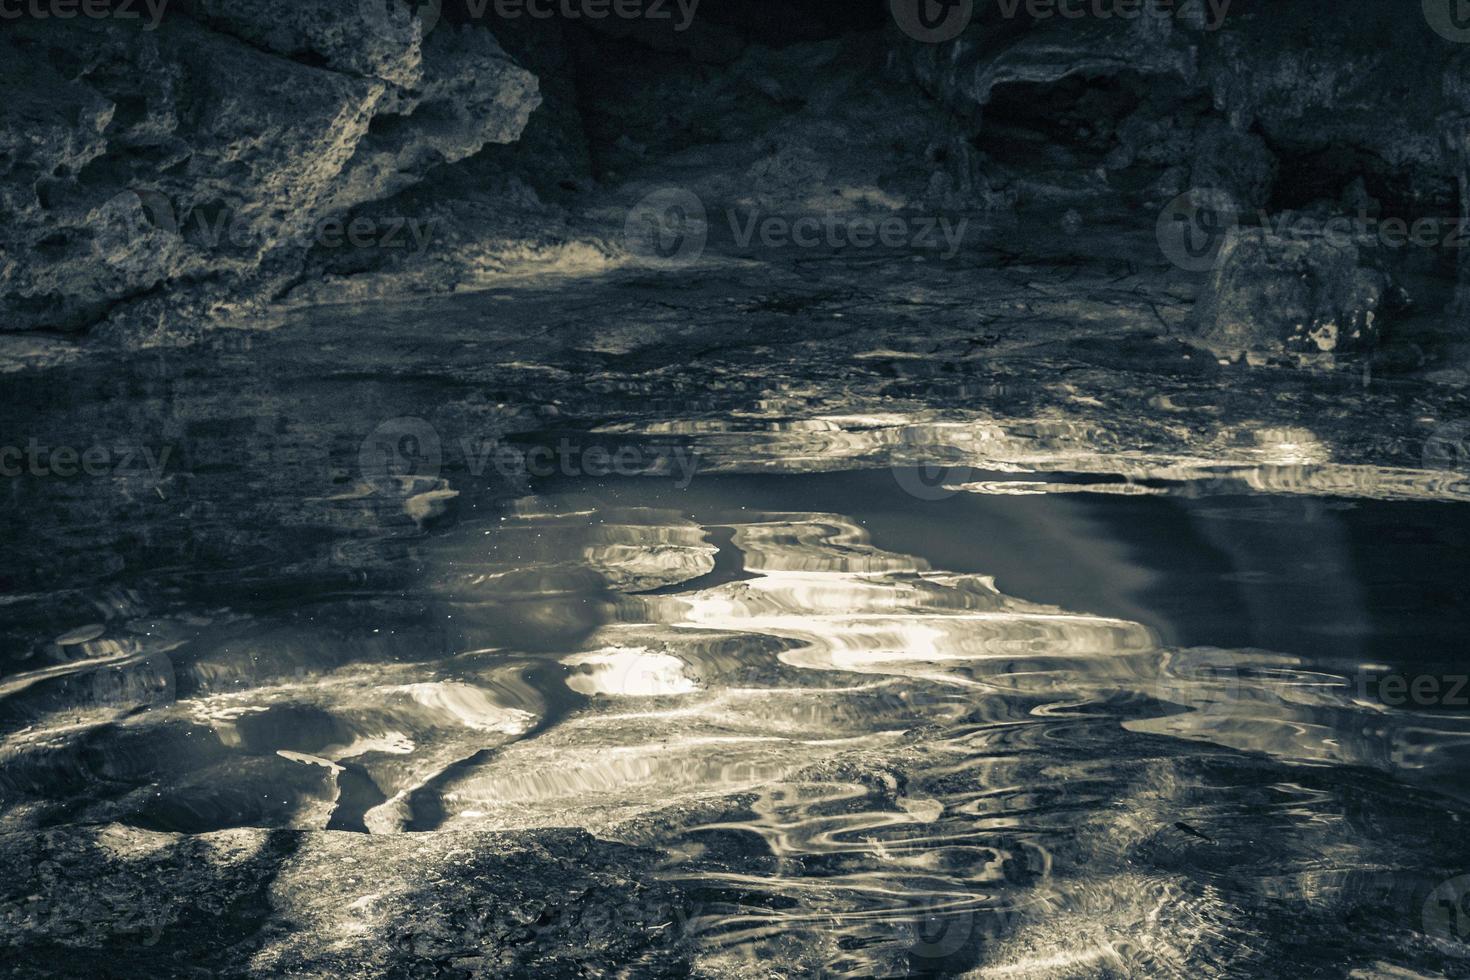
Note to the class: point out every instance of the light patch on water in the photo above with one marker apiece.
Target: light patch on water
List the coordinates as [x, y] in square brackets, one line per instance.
[390, 743]
[862, 623]
[424, 506]
[469, 706]
[1024, 488]
[1290, 447]
[310, 760]
[220, 712]
[861, 748]
[922, 810]
[609, 776]
[131, 844]
[628, 672]
[82, 634]
[1259, 458]
[103, 653]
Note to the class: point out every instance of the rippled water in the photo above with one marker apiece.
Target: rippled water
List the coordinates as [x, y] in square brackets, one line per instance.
[1121, 714]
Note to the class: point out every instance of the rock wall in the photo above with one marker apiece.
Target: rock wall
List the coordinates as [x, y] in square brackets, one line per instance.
[153, 180]
[1280, 104]
[206, 158]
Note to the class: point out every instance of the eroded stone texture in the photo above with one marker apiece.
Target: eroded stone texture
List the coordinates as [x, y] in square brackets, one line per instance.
[117, 901]
[136, 161]
[141, 148]
[1283, 293]
[1279, 106]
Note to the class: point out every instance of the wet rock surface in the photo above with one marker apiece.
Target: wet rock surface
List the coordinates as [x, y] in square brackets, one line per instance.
[317, 604]
[117, 901]
[1302, 296]
[1062, 353]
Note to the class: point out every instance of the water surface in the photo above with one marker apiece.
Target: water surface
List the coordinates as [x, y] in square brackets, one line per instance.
[1110, 693]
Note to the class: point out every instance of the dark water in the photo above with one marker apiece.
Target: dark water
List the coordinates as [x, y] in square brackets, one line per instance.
[1030, 721]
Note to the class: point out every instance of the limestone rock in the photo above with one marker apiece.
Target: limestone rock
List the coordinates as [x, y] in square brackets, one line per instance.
[1292, 294]
[375, 40]
[207, 153]
[1246, 104]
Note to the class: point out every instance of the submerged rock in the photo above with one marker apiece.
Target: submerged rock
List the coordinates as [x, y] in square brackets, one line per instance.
[1289, 294]
[117, 901]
